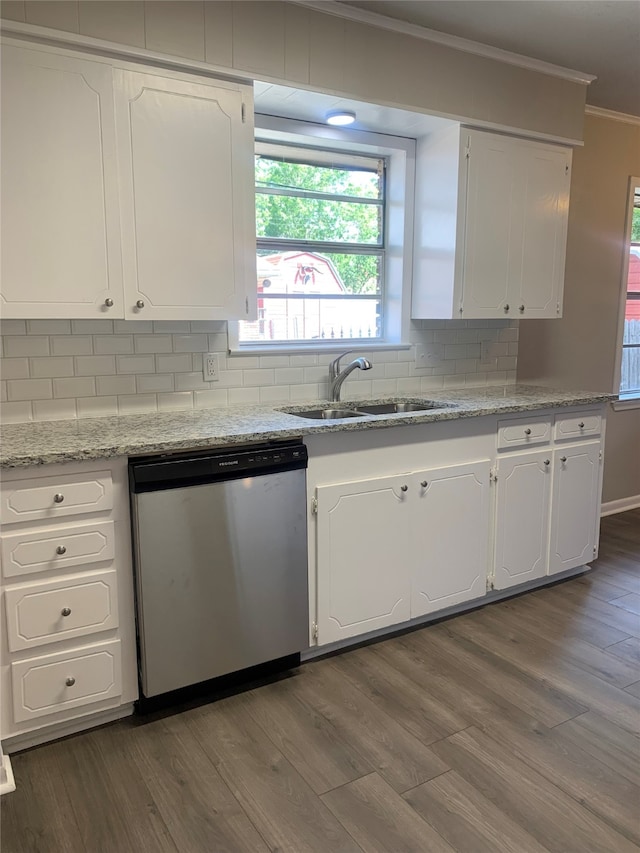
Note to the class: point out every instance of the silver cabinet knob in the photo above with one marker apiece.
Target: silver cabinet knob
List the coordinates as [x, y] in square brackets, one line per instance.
[527, 431]
[108, 302]
[58, 498]
[70, 681]
[66, 611]
[506, 307]
[563, 458]
[60, 550]
[139, 304]
[424, 484]
[547, 462]
[521, 308]
[404, 488]
[581, 424]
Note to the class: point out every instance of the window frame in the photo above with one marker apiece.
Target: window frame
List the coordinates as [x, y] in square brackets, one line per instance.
[630, 399]
[399, 156]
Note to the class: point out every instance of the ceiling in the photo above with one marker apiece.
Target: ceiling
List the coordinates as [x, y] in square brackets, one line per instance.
[600, 37]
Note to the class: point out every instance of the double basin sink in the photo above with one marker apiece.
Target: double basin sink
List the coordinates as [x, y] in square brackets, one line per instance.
[360, 409]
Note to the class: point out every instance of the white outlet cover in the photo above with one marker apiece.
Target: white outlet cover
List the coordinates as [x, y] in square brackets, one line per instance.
[210, 367]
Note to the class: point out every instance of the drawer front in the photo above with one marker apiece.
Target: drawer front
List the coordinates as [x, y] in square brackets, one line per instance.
[577, 426]
[66, 680]
[56, 497]
[523, 432]
[55, 549]
[41, 613]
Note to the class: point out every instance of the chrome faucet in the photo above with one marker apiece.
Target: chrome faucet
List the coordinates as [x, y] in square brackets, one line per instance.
[337, 376]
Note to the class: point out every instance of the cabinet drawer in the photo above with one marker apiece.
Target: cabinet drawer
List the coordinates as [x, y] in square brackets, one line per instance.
[523, 432]
[53, 549]
[55, 497]
[577, 426]
[42, 613]
[66, 680]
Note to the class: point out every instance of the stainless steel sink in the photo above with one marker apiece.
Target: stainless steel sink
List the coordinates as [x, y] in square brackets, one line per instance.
[393, 408]
[328, 414]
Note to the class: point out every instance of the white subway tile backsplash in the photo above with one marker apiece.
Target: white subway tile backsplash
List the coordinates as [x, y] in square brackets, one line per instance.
[85, 387]
[136, 364]
[95, 365]
[51, 366]
[14, 368]
[27, 345]
[29, 389]
[72, 345]
[107, 386]
[90, 368]
[113, 344]
[3, 391]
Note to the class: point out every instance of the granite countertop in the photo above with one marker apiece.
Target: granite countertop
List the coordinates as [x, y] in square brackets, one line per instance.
[134, 435]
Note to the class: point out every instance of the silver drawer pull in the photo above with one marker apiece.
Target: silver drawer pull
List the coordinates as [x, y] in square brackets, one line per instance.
[547, 462]
[424, 484]
[60, 550]
[563, 458]
[140, 304]
[506, 307]
[404, 488]
[108, 302]
[66, 611]
[581, 424]
[521, 308]
[527, 431]
[58, 498]
[70, 681]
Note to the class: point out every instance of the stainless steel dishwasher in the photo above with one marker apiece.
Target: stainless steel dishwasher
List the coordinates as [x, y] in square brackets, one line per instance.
[220, 545]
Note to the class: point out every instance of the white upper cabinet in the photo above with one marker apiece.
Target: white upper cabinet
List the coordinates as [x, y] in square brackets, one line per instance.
[185, 152]
[60, 227]
[491, 223]
[125, 193]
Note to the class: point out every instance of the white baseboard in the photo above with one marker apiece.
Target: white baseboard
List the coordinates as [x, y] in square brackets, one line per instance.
[621, 505]
[18, 742]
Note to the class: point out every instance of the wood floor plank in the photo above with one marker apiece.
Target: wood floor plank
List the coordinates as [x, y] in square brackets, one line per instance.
[601, 611]
[630, 602]
[197, 807]
[628, 650]
[599, 586]
[318, 751]
[38, 816]
[283, 808]
[607, 742]
[381, 821]
[633, 689]
[467, 819]
[400, 697]
[399, 757]
[556, 820]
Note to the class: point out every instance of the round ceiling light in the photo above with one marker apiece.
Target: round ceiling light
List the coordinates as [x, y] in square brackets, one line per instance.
[340, 117]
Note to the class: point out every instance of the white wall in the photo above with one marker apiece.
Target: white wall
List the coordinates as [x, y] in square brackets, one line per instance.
[53, 369]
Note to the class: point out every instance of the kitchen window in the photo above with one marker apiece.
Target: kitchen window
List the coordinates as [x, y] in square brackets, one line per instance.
[630, 355]
[332, 234]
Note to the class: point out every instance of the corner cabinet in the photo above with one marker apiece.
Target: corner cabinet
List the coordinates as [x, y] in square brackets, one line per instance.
[491, 226]
[127, 192]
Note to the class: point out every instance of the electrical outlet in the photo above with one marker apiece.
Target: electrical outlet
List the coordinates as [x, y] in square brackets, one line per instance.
[210, 367]
[428, 355]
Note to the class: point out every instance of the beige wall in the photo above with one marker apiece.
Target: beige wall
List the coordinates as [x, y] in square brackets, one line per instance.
[284, 42]
[580, 350]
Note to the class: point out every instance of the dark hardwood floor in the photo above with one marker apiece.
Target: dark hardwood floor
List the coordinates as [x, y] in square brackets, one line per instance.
[511, 728]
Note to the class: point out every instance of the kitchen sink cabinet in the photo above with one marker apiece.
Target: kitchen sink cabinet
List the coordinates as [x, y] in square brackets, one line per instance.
[491, 225]
[127, 192]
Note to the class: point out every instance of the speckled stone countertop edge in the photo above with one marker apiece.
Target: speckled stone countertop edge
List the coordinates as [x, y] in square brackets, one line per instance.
[52, 442]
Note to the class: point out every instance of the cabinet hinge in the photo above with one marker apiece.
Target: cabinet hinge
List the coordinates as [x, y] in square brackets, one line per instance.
[566, 169]
[246, 305]
[244, 112]
[467, 150]
[595, 550]
[490, 580]
[461, 309]
[493, 475]
[314, 506]
[557, 307]
[600, 455]
[314, 631]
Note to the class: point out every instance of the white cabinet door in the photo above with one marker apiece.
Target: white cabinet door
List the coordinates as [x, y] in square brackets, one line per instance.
[451, 530]
[492, 196]
[60, 222]
[576, 503]
[545, 172]
[522, 517]
[185, 153]
[363, 553]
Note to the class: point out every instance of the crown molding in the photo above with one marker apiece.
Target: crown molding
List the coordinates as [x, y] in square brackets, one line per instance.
[330, 7]
[600, 112]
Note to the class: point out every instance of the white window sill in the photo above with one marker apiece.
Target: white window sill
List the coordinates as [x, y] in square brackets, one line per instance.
[298, 349]
[627, 402]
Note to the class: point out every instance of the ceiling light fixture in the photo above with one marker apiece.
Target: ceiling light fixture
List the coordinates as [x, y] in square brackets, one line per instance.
[340, 117]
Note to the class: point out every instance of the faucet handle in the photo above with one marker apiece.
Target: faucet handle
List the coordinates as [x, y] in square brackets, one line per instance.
[334, 367]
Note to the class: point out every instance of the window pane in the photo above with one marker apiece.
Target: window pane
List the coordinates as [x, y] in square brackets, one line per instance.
[333, 180]
[314, 272]
[328, 220]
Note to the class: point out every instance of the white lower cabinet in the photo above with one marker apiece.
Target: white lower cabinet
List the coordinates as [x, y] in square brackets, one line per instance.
[390, 549]
[575, 501]
[523, 498]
